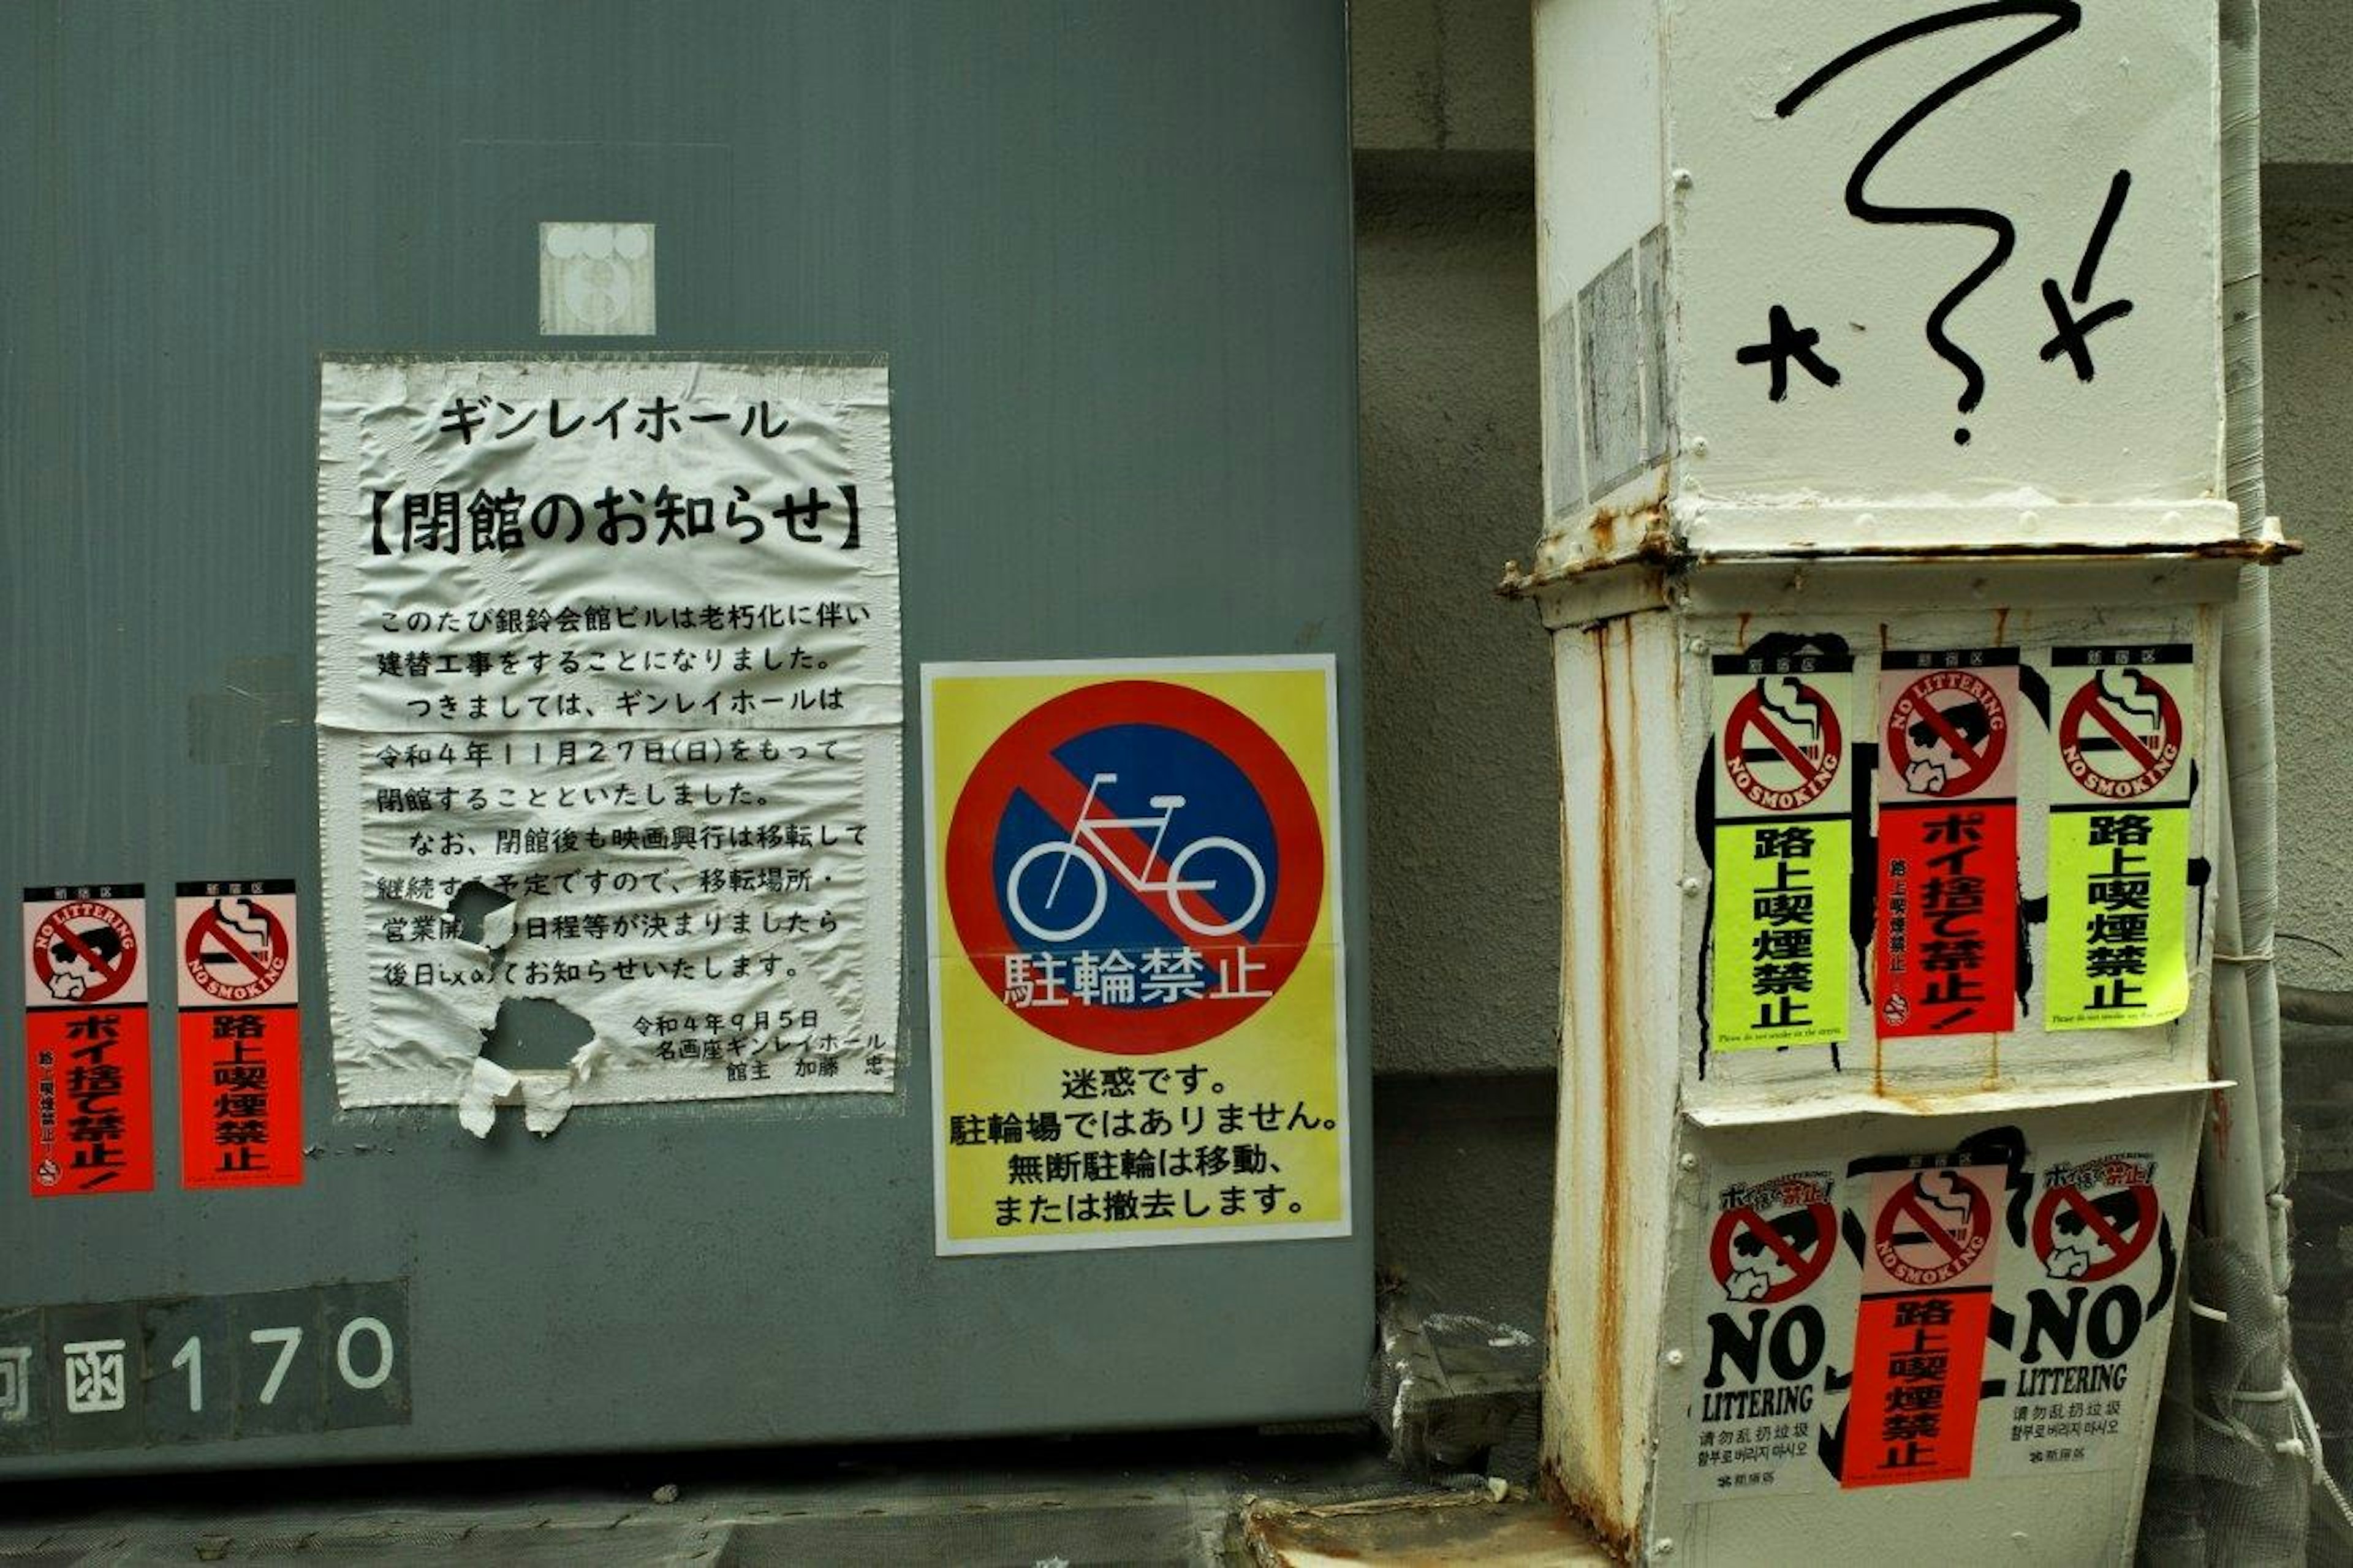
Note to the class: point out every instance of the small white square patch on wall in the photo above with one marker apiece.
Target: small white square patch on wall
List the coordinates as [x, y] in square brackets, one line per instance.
[596, 279]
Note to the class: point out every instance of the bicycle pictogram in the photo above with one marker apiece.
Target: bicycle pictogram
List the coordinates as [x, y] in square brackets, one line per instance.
[1134, 866]
[1200, 882]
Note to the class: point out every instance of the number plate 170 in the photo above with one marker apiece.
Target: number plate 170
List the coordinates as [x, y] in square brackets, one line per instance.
[196, 1369]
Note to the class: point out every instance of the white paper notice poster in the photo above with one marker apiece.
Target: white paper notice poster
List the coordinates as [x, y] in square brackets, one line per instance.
[609, 722]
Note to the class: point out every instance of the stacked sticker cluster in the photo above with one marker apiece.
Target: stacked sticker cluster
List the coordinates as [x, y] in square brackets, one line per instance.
[1949, 942]
[87, 1048]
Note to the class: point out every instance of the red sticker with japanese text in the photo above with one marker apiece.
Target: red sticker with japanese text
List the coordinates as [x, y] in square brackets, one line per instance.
[86, 1081]
[240, 1035]
[1921, 1325]
[1946, 954]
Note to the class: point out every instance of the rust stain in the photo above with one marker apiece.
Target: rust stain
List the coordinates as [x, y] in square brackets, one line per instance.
[1740, 636]
[1657, 548]
[1654, 548]
[1552, 1319]
[1602, 528]
[2249, 551]
[2001, 626]
[1618, 1540]
[1606, 1436]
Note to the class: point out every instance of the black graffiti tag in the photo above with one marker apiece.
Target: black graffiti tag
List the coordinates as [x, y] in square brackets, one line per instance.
[2062, 17]
[2073, 337]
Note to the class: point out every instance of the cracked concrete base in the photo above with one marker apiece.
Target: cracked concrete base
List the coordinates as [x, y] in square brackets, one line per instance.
[1173, 1500]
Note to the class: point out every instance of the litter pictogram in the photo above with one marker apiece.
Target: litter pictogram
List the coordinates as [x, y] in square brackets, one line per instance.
[2096, 1222]
[1948, 733]
[85, 952]
[1766, 1258]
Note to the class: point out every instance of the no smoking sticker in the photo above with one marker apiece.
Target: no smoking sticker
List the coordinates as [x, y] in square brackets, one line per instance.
[1781, 745]
[2121, 735]
[1782, 848]
[240, 1031]
[1922, 1323]
[234, 943]
[1929, 1230]
[2118, 954]
[1136, 979]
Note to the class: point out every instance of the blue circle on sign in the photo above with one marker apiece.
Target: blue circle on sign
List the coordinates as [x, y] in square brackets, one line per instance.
[1167, 844]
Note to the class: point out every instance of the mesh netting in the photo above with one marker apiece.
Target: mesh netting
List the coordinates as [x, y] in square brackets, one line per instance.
[2229, 1476]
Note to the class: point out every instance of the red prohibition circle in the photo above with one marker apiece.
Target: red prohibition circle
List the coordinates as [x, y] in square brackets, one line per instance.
[1814, 774]
[56, 929]
[1295, 901]
[256, 973]
[1918, 703]
[1948, 1255]
[2124, 1247]
[2153, 762]
[1805, 1268]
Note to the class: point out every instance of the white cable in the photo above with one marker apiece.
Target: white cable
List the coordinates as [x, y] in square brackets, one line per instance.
[2304, 1412]
[2319, 1464]
[2234, 1429]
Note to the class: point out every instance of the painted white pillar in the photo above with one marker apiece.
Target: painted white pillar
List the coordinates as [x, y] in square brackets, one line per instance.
[1885, 512]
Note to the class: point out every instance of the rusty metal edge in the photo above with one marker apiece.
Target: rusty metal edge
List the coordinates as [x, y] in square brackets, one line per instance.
[1658, 551]
[1554, 1487]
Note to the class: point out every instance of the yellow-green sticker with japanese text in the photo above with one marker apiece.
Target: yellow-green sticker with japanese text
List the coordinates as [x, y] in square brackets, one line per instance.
[2119, 950]
[1780, 971]
[2125, 724]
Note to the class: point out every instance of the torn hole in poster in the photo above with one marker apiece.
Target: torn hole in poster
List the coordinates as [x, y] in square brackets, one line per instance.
[609, 731]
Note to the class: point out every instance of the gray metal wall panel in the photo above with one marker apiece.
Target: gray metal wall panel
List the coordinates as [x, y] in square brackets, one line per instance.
[1106, 246]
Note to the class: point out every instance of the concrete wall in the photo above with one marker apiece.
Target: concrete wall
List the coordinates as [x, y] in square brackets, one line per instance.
[1462, 803]
[2308, 376]
[2308, 408]
[2307, 85]
[1462, 787]
[1465, 869]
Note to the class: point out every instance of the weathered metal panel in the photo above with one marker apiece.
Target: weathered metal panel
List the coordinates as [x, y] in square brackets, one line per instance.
[1927, 276]
[1620, 690]
[1121, 347]
[1653, 1118]
[1866, 1072]
[2013, 1508]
